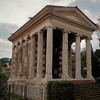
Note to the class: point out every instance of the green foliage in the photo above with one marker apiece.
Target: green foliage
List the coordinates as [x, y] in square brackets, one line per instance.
[1, 63]
[60, 90]
[98, 79]
[4, 62]
[3, 86]
[83, 62]
[83, 57]
[17, 97]
[96, 63]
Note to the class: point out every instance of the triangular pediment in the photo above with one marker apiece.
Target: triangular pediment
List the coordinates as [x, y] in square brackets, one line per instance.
[75, 17]
[75, 14]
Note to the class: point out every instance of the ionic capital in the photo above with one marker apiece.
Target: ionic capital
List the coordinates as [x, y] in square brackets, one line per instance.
[18, 44]
[78, 35]
[25, 43]
[39, 32]
[14, 46]
[89, 38]
[25, 38]
[65, 31]
[50, 26]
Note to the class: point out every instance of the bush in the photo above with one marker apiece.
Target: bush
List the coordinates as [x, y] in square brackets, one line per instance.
[60, 90]
[98, 79]
[3, 86]
[17, 97]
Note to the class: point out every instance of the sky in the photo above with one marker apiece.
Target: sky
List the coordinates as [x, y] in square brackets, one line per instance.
[15, 13]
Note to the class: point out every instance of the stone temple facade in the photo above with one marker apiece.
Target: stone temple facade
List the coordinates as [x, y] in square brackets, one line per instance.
[42, 50]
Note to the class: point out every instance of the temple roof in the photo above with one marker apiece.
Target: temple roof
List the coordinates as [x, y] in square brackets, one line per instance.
[72, 14]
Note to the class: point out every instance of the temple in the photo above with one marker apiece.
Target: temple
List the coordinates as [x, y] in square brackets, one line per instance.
[42, 50]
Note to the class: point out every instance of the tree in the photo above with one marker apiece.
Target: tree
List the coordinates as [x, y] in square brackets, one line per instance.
[3, 82]
[83, 62]
[1, 63]
[96, 63]
[3, 86]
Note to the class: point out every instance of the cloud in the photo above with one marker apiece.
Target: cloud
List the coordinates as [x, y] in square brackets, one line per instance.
[18, 11]
[92, 9]
[95, 41]
[95, 0]
[14, 13]
[52, 1]
[87, 12]
[5, 48]
[92, 6]
[4, 42]
[5, 52]
[60, 2]
[5, 31]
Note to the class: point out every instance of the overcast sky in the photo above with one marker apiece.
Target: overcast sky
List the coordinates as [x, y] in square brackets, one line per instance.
[14, 13]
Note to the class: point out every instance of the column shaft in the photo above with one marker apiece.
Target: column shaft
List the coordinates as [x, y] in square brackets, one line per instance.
[16, 62]
[40, 55]
[49, 52]
[78, 58]
[28, 56]
[12, 63]
[65, 56]
[21, 55]
[70, 60]
[19, 60]
[32, 58]
[26, 59]
[22, 71]
[88, 59]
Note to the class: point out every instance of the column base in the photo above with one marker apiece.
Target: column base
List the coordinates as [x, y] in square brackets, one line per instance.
[24, 77]
[91, 78]
[79, 77]
[38, 77]
[31, 77]
[66, 77]
[49, 77]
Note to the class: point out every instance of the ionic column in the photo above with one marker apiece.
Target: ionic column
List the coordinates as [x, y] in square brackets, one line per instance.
[20, 60]
[16, 62]
[65, 56]
[49, 52]
[23, 54]
[78, 58]
[40, 55]
[26, 58]
[12, 63]
[88, 59]
[70, 60]
[32, 58]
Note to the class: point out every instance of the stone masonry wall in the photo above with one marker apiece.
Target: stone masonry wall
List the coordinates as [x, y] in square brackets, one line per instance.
[35, 92]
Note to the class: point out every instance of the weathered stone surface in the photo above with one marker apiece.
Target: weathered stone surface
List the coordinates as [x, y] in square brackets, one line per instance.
[37, 59]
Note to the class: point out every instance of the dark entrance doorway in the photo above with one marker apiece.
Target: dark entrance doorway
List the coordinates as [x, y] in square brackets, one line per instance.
[57, 53]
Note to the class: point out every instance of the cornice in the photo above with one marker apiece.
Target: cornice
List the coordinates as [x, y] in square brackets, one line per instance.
[45, 13]
[70, 21]
[33, 22]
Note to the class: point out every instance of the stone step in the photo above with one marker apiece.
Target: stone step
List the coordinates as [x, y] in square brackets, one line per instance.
[87, 91]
